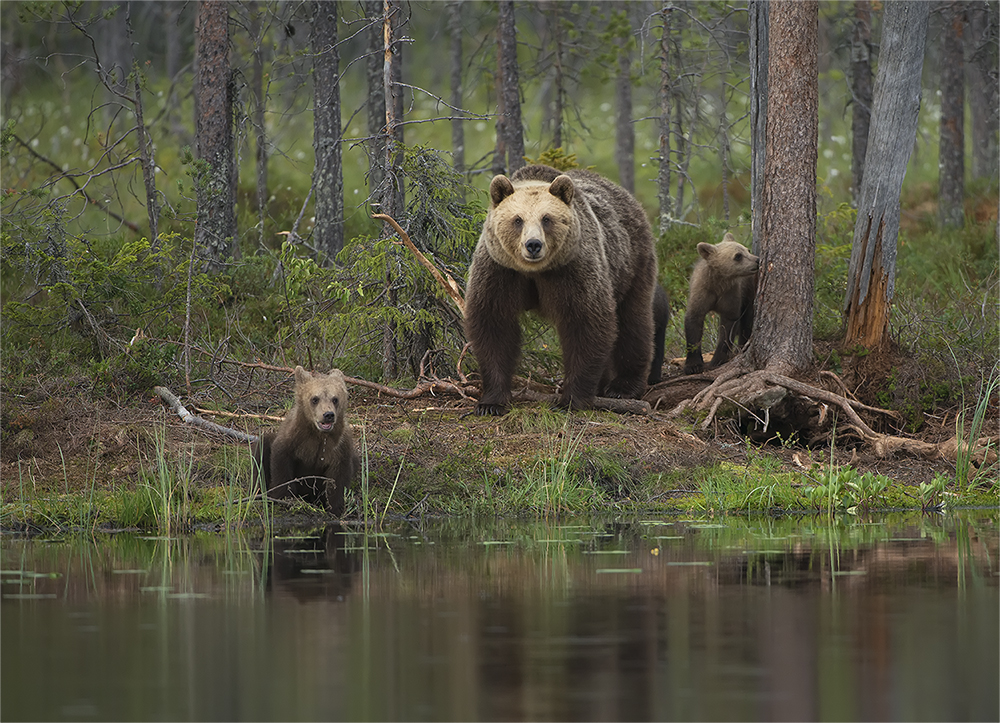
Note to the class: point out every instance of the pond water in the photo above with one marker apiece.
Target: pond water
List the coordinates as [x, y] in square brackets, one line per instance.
[759, 619]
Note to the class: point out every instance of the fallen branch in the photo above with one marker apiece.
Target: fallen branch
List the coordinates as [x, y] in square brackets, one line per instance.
[449, 285]
[620, 406]
[171, 400]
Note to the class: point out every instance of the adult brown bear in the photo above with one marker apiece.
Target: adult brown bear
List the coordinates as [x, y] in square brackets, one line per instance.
[312, 455]
[578, 249]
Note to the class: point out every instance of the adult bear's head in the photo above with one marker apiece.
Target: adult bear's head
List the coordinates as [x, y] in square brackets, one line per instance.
[532, 225]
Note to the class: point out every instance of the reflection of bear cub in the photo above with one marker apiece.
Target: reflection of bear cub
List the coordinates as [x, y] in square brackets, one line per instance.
[579, 250]
[724, 281]
[312, 454]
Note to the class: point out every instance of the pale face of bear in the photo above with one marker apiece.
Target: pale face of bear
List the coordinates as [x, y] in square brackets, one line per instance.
[531, 223]
[322, 398]
[729, 258]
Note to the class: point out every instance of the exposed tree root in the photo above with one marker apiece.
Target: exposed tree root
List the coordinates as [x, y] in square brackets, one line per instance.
[758, 391]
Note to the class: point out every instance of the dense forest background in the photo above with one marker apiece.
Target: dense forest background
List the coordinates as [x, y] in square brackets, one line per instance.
[121, 270]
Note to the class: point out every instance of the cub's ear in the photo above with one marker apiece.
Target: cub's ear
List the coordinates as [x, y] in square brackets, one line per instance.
[301, 375]
[728, 237]
[500, 188]
[336, 373]
[563, 189]
[706, 250]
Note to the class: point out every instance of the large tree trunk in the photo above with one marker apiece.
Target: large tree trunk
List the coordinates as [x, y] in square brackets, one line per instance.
[215, 231]
[457, 124]
[328, 174]
[951, 163]
[983, 70]
[781, 340]
[758, 31]
[624, 129]
[861, 92]
[871, 276]
[511, 87]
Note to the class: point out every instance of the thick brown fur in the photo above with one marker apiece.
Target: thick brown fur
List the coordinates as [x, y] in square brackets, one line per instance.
[579, 250]
[661, 317]
[724, 280]
[312, 455]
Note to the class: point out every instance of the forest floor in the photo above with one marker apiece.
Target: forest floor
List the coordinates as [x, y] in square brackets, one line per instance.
[419, 451]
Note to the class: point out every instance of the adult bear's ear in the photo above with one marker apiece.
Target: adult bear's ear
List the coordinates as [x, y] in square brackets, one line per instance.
[562, 188]
[706, 250]
[500, 188]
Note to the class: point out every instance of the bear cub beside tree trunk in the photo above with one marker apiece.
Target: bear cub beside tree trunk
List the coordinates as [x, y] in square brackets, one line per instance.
[724, 280]
[312, 455]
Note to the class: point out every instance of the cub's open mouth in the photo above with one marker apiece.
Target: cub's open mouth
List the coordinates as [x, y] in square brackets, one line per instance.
[325, 426]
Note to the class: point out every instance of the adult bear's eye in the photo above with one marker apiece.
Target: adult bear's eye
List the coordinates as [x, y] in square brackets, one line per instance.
[739, 257]
[518, 221]
[546, 220]
[315, 401]
[335, 401]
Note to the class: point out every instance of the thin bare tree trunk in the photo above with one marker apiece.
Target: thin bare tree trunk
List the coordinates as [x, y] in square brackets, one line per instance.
[375, 104]
[951, 163]
[259, 106]
[457, 100]
[983, 70]
[665, 197]
[624, 130]
[328, 174]
[782, 333]
[145, 145]
[871, 276]
[758, 31]
[861, 92]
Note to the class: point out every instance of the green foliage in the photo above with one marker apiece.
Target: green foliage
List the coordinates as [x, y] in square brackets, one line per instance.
[557, 158]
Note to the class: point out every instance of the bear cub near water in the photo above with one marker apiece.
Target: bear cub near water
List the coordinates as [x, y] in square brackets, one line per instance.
[724, 280]
[312, 455]
[578, 249]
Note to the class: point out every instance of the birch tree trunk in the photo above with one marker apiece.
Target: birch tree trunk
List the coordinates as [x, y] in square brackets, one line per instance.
[781, 340]
[871, 276]
[215, 229]
[328, 174]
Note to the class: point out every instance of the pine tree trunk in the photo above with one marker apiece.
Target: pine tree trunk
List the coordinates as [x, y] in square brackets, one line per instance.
[871, 276]
[215, 230]
[782, 333]
[511, 87]
[861, 92]
[983, 70]
[392, 70]
[259, 106]
[624, 129]
[758, 31]
[375, 104]
[951, 161]
[328, 174]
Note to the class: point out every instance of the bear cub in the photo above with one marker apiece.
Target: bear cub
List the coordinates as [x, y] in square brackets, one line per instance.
[724, 280]
[312, 455]
[577, 249]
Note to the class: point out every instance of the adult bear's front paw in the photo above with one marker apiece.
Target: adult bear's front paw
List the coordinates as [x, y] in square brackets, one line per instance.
[486, 409]
[625, 389]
